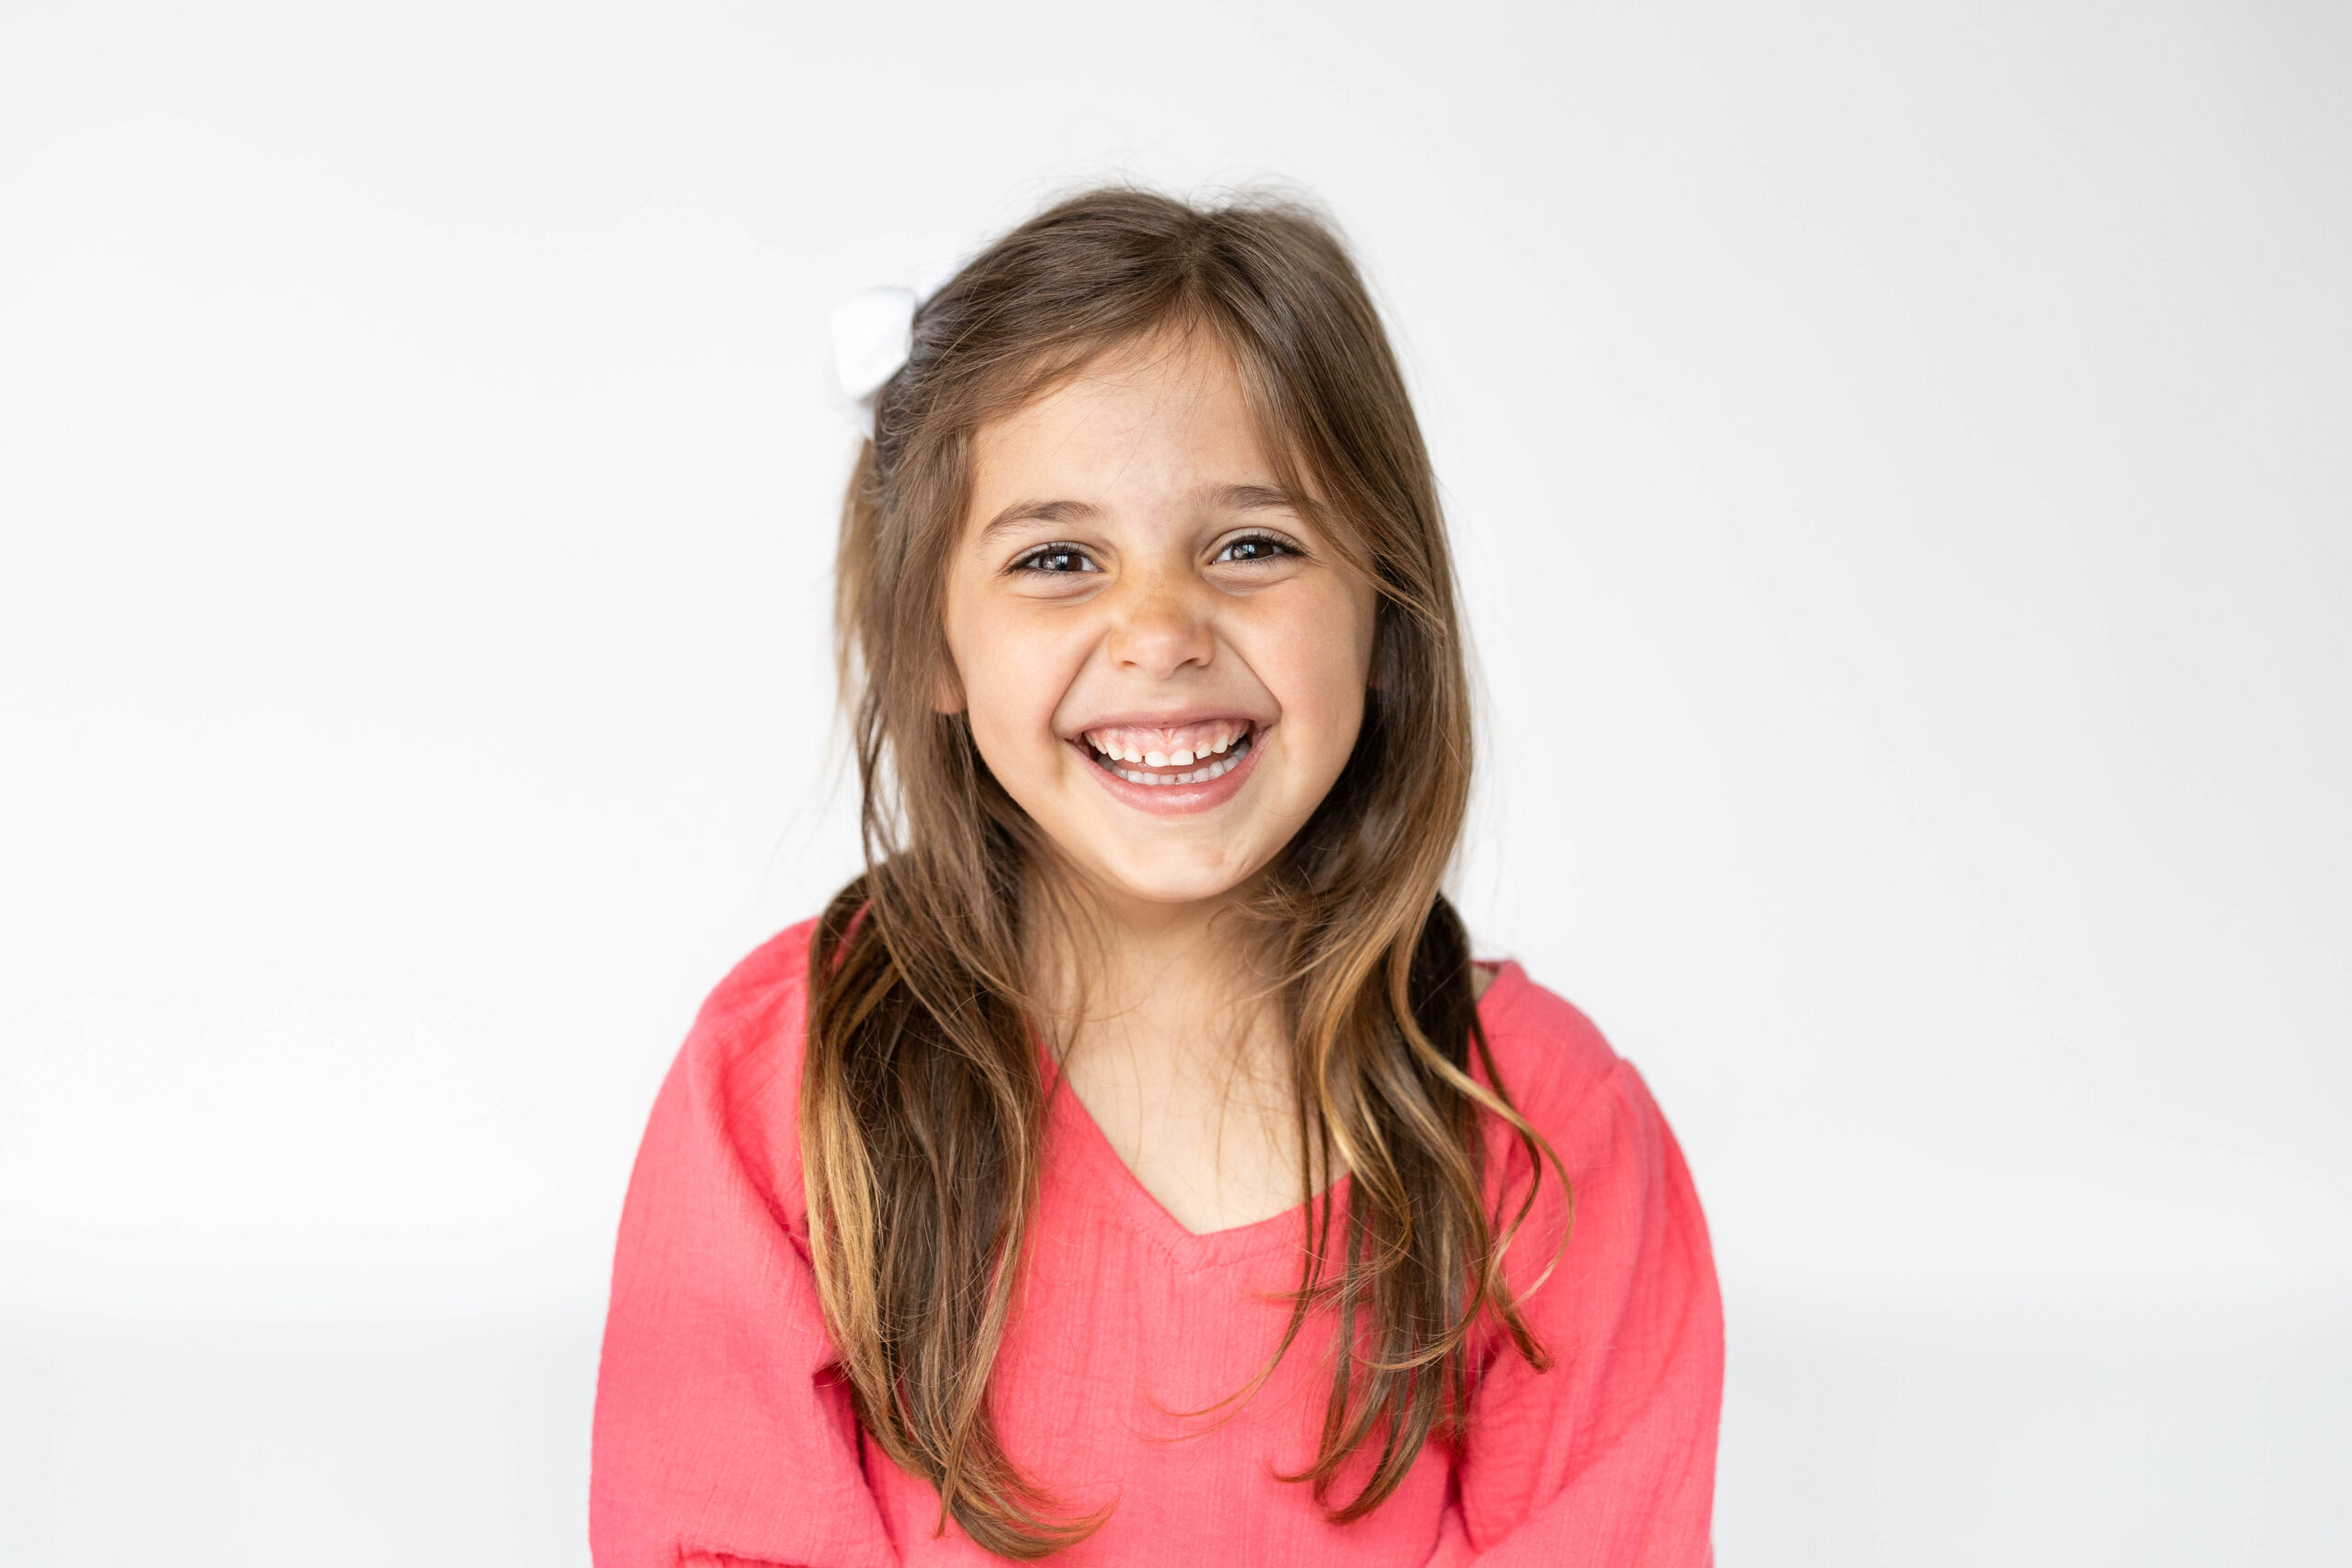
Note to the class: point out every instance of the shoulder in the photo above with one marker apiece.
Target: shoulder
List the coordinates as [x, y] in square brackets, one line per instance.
[1550, 1057]
[1626, 1211]
[738, 1072]
[765, 992]
[1588, 1103]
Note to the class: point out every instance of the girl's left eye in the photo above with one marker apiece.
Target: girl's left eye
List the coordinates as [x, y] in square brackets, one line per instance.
[1256, 546]
[1055, 558]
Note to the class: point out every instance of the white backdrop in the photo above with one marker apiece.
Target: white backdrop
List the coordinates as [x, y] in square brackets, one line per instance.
[1899, 468]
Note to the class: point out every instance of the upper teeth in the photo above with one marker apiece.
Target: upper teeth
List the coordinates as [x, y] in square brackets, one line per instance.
[1227, 740]
[1215, 770]
[1166, 747]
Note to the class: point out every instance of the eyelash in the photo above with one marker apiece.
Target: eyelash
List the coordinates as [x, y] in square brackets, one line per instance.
[1282, 546]
[1027, 563]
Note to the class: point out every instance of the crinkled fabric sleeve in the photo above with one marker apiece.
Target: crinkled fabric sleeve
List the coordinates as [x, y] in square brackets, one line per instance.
[1607, 1458]
[723, 1436]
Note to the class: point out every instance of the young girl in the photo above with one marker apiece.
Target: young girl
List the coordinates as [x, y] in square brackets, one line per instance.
[1132, 1165]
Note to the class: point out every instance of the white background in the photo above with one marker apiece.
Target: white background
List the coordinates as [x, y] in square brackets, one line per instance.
[1898, 460]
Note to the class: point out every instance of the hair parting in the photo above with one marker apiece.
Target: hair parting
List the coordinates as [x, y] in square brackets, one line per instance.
[923, 1093]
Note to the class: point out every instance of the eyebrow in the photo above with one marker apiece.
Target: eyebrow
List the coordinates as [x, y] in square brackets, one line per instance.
[1255, 498]
[1226, 498]
[1022, 512]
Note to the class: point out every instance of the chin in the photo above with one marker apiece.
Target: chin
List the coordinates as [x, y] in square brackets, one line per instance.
[1152, 879]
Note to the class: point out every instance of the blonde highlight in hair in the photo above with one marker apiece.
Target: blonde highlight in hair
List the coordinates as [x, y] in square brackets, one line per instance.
[923, 1098]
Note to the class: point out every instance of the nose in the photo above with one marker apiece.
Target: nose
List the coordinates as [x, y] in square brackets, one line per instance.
[1158, 628]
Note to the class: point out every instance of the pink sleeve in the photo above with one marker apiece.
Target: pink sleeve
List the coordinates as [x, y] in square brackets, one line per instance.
[721, 1437]
[1607, 1460]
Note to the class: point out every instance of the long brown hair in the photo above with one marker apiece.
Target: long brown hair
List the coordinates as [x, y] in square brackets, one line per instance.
[923, 1098]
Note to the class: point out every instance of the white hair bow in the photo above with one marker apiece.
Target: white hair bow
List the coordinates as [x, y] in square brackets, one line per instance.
[874, 331]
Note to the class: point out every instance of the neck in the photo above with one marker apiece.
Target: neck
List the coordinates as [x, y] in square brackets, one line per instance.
[1194, 972]
[1169, 1023]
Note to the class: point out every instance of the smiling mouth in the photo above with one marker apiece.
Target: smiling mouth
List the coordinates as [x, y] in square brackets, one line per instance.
[1198, 755]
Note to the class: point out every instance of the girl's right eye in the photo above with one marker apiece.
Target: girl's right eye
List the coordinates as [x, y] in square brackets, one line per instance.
[1055, 558]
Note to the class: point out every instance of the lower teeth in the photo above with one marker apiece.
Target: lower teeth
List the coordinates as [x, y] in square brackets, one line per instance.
[1218, 769]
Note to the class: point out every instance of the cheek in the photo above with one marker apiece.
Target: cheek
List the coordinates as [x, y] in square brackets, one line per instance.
[1012, 669]
[1319, 659]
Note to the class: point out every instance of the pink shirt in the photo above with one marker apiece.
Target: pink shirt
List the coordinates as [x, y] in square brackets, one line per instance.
[724, 1435]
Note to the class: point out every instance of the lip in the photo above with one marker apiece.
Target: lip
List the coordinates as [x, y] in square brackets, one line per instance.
[1175, 720]
[1175, 800]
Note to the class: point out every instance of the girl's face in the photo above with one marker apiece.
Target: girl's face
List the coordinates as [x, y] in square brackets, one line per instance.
[1162, 662]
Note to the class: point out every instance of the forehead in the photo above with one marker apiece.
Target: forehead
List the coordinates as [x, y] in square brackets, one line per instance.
[1165, 414]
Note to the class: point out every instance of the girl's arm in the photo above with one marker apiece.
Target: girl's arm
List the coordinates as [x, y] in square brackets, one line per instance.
[1608, 1460]
[720, 1436]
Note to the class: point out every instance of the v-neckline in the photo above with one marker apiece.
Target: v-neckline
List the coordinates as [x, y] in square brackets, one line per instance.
[1116, 1184]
